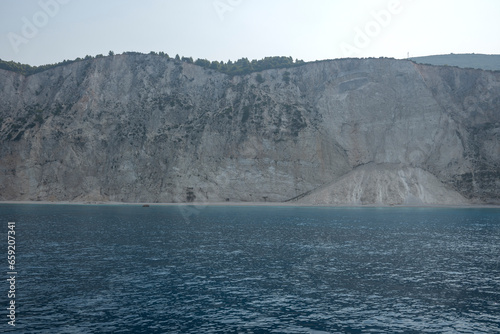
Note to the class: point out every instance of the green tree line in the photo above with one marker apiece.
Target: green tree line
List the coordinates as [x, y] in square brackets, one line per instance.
[244, 66]
[28, 69]
[239, 67]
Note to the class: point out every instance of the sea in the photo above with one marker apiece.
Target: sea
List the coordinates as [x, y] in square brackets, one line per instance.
[251, 269]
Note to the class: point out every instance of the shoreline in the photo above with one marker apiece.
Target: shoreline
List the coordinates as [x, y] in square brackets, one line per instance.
[257, 204]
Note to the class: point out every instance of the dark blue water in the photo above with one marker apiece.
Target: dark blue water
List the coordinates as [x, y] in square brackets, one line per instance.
[119, 269]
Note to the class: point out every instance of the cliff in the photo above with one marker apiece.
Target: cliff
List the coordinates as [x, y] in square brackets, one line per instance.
[480, 61]
[141, 128]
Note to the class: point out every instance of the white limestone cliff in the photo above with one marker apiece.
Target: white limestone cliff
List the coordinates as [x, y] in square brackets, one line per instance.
[141, 128]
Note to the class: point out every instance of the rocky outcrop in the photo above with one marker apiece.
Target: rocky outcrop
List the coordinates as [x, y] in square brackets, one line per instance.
[141, 128]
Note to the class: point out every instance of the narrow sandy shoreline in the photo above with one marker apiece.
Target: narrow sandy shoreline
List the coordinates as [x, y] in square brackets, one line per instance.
[269, 204]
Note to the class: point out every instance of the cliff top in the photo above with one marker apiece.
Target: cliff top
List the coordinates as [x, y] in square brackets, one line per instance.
[245, 66]
[239, 67]
[477, 61]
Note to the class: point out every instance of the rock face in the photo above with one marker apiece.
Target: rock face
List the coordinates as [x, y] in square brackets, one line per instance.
[140, 128]
[385, 184]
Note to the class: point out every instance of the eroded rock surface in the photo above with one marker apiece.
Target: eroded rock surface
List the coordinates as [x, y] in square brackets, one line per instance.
[141, 128]
[385, 184]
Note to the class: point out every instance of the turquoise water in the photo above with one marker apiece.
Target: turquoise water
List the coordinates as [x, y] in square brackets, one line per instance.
[122, 269]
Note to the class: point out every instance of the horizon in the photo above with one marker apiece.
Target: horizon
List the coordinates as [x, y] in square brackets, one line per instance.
[41, 32]
[295, 60]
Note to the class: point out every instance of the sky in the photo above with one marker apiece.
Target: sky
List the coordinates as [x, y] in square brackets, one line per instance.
[38, 32]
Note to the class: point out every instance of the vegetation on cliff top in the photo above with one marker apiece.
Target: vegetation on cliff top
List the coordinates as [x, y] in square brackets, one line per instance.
[244, 66]
[239, 67]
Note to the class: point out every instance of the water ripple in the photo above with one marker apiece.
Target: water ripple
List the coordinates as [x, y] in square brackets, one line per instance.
[243, 270]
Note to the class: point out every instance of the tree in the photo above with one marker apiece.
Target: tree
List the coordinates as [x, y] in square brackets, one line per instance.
[163, 54]
[202, 62]
[215, 65]
[111, 53]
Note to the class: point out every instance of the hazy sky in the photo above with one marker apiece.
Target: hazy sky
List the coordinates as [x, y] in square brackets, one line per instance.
[48, 31]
